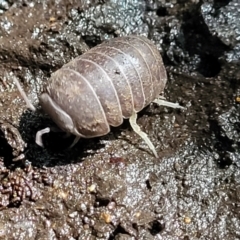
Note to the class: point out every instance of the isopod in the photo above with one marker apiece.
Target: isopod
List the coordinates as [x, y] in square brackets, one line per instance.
[110, 82]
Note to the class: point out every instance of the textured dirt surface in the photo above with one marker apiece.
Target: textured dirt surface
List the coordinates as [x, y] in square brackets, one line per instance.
[112, 187]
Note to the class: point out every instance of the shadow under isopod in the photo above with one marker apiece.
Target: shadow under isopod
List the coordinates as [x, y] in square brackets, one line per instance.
[56, 149]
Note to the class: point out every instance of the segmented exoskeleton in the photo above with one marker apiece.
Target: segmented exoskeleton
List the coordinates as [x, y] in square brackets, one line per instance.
[108, 83]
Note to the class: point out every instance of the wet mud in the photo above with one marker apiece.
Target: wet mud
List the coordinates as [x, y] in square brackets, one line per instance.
[112, 187]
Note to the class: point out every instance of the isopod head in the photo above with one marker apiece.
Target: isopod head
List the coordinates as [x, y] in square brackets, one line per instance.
[73, 105]
[58, 115]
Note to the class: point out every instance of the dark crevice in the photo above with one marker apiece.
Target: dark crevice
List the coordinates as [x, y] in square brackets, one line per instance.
[223, 145]
[198, 40]
[155, 227]
[220, 3]
[162, 12]
[5, 151]
[91, 41]
[149, 187]
[101, 202]
[209, 66]
[118, 230]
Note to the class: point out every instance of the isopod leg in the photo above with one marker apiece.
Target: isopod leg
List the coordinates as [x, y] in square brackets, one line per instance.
[143, 135]
[162, 102]
[38, 138]
[23, 94]
[39, 134]
[74, 141]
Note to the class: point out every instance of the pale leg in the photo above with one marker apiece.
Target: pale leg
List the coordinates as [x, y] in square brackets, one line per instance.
[75, 141]
[39, 134]
[167, 104]
[23, 94]
[38, 138]
[143, 135]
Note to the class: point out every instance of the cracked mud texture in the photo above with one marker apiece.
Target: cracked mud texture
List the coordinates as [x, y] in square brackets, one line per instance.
[112, 187]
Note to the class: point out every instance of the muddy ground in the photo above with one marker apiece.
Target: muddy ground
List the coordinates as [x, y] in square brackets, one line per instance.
[112, 187]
